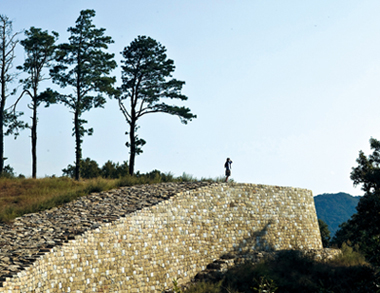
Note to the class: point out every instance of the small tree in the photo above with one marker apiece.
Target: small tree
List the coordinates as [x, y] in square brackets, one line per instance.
[83, 65]
[363, 227]
[146, 74]
[88, 169]
[114, 170]
[325, 233]
[39, 48]
[9, 123]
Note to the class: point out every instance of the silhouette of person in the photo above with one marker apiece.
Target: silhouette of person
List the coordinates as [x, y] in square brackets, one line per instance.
[227, 165]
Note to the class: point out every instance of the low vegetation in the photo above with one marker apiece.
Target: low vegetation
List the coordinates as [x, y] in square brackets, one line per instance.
[292, 272]
[19, 196]
[22, 196]
[356, 270]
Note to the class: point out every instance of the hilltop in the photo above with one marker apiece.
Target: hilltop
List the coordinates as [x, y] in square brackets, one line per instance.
[335, 208]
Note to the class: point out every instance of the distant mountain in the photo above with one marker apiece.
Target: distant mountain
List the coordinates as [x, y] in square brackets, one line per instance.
[335, 208]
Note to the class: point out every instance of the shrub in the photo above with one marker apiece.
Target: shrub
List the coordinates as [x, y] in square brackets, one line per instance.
[350, 256]
[291, 271]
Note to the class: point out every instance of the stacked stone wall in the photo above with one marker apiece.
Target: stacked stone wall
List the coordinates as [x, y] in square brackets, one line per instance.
[174, 239]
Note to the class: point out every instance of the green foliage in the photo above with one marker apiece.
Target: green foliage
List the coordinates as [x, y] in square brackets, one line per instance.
[12, 123]
[85, 66]
[206, 287]
[110, 170]
[187, 177]
[350, 256]
[291, 271]
[88, 169]
[265, 286]
[367, 173]
[146, 80]
[176, 289]
[325, 233]
[158, 176]
[201, 287]
[363, 227]
[345, 233]
[9, 120]
[114, 170]
[8, 172]
[39, 48]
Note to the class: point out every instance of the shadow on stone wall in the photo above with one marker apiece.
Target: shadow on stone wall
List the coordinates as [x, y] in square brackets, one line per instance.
[252, 248]
[256, 241]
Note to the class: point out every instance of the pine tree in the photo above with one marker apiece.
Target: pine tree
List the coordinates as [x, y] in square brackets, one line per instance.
[146, 73]
[85, 66]
[39, 47]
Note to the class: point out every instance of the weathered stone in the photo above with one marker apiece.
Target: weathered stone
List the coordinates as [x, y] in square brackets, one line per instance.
[35, 234]
[139, 238]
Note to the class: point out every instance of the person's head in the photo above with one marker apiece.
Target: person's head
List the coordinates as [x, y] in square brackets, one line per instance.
[228, 159]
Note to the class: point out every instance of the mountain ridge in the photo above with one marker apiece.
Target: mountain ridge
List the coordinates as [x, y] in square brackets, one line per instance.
[335, 208]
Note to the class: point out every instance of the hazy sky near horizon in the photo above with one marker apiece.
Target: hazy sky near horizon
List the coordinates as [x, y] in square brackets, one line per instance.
[289, 90]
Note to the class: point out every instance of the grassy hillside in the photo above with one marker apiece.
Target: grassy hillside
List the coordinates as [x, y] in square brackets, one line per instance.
[22, 196]
[334, 209]
[19, 196]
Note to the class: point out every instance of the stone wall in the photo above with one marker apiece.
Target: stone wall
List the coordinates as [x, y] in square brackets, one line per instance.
[143, 251]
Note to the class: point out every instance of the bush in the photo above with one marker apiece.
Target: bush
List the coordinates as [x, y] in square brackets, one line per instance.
[8, 172]
[114, 170]
[350, 256]
[291, 271]
[88, 169]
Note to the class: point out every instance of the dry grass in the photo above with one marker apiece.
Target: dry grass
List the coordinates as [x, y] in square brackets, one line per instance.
[19, 196]
[22, 196]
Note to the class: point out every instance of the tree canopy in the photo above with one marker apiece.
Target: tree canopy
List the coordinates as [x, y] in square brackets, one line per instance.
[84, 65]
[325, 233]
[39, 48]
[363, 227]
[146, 81]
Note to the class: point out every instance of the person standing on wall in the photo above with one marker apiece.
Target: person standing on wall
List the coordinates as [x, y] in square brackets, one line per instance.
[227, 165]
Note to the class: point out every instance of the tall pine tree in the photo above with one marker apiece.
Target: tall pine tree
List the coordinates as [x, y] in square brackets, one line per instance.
[84, 65]
[146, 76]
[39, 48]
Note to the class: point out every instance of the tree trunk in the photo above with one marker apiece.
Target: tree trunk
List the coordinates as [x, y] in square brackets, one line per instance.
[133, 148]
[2, 107]
[78, 150]
[34, 138]
[1, 138]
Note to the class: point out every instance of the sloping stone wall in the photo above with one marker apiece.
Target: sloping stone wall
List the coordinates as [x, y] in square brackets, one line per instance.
[144, 250]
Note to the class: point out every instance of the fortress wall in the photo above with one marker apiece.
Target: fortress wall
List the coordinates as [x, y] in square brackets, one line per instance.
[145, 250]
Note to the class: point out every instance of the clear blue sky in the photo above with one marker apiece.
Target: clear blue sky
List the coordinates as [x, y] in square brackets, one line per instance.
[289, 90]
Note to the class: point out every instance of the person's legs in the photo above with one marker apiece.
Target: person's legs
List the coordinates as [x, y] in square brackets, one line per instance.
[228, 173]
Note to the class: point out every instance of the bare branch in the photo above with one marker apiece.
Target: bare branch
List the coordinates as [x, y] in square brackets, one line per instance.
[124, 111]
[18, 100]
